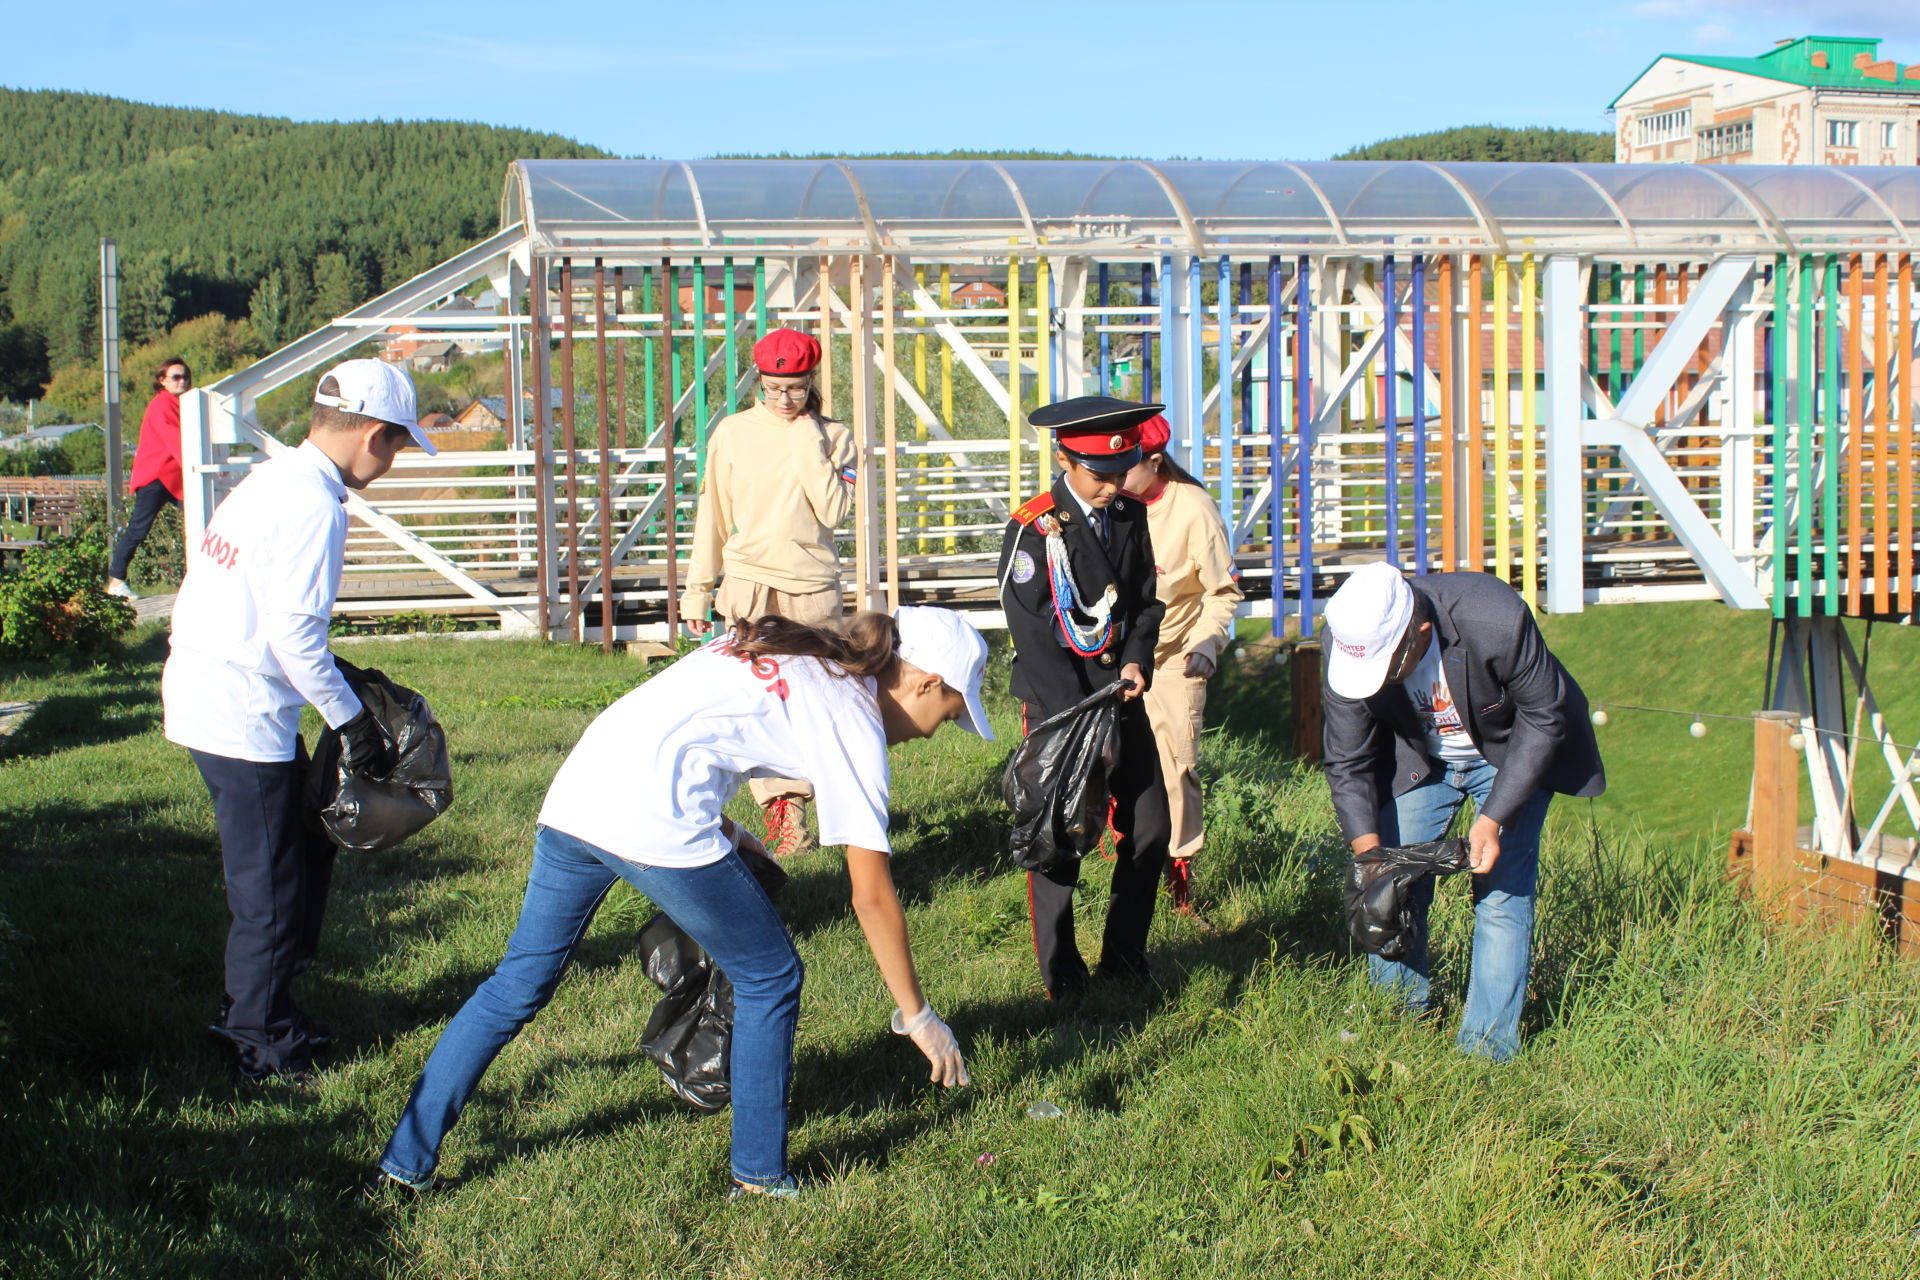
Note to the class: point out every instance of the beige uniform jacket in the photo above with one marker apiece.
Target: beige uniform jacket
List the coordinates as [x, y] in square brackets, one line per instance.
[773, 493]
[1194, 563]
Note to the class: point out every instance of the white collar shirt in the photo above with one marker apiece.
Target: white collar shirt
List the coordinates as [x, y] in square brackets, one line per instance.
[250, 624]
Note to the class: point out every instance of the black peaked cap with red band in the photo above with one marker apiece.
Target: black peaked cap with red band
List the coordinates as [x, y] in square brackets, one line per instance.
[1098, 432]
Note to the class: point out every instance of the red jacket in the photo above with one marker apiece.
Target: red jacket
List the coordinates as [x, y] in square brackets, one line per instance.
[158, 454]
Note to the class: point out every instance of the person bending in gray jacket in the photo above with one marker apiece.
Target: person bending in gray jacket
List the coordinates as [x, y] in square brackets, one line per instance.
[1438, 689]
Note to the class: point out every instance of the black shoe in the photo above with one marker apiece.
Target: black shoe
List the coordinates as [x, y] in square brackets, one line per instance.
[385, 1189]
[319, 1035]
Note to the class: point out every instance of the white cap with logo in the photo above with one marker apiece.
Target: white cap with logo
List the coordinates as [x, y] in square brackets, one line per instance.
[941, 641]
[375, 389]
[1366, 620]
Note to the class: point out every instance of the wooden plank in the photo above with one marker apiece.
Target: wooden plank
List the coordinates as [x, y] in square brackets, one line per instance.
[1774, 817]
[1307, 709]
[1880, 565]
[1903, 418]
[1474, 521]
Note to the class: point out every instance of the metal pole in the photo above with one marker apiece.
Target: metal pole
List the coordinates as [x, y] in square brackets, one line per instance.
[1564, 435]
[604, 496]
[1303, 425]
[1419, 373]
[110, 372]
[569, 442]
[1390, 405]
[1146, 335]
[1225, 379]
[544, 530]
[670, 293]
[1106, 339]
[1275, 405]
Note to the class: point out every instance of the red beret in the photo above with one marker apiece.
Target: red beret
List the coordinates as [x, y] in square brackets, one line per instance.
[1154, 434]
[786, 353]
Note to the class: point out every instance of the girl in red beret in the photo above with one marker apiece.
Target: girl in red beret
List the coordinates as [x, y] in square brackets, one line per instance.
[779, 479]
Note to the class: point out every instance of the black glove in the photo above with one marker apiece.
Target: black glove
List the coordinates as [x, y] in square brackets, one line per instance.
[363, 748]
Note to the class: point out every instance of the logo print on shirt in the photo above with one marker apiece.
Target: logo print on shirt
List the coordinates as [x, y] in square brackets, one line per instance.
[1436, 709]
[219, 550]
[765, 668]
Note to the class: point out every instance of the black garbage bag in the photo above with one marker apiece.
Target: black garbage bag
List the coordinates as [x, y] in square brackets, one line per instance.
[365, 813]
[1056, 782]
[1380, 892]
[690, 1032]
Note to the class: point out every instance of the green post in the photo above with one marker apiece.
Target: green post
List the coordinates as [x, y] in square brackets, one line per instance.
[1804, 373]
[1777, 338]
[760, 297]
[731, 374]
[698, 315]
[669, 316]
[1830, 586]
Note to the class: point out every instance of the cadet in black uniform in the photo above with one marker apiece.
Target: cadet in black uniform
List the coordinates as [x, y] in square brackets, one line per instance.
[1076, 580]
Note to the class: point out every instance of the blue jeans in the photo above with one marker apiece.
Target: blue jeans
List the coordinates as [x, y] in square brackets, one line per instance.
[721, 906]
[1502, 907]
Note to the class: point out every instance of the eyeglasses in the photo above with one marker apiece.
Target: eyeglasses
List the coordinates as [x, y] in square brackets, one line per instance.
[177, 377]
[1404, 657]
[786, 393]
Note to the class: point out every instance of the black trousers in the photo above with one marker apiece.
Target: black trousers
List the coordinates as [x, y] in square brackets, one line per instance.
[1140, 818]
[148, 499]
[279, 866]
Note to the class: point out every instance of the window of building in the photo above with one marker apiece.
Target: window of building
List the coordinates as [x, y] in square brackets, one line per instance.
[1731, 138]
[1889, 135]
[1843, 133]
[1664, 126]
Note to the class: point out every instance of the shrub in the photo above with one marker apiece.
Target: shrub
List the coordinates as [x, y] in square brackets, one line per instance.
[56, 602]
[161, 560]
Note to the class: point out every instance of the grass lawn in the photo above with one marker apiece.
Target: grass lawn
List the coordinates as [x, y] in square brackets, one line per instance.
[1698, 1097]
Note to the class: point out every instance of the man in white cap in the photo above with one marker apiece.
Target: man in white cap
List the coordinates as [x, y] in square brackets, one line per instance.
[1438, 690]
[249, 648]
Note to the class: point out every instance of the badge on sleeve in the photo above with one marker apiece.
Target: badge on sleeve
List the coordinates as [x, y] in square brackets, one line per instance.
[1023, 567]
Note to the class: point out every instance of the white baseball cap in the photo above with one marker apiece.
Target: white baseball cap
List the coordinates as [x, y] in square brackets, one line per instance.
[1366, 620]
[941, 641]
[375, 389]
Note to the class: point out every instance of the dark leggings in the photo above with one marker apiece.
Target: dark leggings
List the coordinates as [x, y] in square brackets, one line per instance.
[147, 501]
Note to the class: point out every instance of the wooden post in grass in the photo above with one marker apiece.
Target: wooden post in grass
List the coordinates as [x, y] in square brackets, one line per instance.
[1774, 816]
[1306, 699]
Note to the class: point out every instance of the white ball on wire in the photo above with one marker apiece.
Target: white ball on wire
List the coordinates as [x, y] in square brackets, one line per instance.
[1698, 728]
[1600, 717]
[1798, 742]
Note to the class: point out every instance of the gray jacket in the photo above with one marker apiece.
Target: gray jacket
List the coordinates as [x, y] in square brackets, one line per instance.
[1523, 711]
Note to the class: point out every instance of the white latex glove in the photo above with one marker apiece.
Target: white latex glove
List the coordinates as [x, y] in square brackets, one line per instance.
[935, 1039]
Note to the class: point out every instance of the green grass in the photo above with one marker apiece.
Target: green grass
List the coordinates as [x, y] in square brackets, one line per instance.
[1698, 1097]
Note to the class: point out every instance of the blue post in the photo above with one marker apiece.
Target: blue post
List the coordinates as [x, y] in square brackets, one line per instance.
[1303, 425]
[1106, 343]
[1390, 411]
[1275, 407]
[1246, 374]
[1196, 374]
[1226, 318]
[1053, 339]
[1419, 374]
[1146, 336]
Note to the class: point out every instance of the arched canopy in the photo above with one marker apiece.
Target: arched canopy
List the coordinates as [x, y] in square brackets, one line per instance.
[1126, 208]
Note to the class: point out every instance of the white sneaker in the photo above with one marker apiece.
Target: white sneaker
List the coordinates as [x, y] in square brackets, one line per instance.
[115, 587]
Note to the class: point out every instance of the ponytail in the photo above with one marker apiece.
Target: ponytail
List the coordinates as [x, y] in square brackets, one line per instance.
[863, 645]
[1174, 472]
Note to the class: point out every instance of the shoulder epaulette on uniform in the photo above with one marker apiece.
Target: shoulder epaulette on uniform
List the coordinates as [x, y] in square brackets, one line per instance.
[1033, 508]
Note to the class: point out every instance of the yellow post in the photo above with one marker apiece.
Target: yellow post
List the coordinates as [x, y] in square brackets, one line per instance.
[946, 390]
[1529, 436]
[1043, 354]
[1502, 420]
[1014, 496]
[920, 360]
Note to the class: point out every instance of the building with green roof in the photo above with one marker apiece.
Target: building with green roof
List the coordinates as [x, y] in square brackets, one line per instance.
[1815, 100]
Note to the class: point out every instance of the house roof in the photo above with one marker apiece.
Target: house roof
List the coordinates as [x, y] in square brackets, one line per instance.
[36, 436]
[1793, 63]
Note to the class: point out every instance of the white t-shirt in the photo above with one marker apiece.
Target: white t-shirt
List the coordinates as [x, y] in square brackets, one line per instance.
[647, 779]
[1446, 730]
[250, 624]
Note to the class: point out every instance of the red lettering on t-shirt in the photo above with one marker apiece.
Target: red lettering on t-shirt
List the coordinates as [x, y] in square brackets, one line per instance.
[765, 668]
[218, 549]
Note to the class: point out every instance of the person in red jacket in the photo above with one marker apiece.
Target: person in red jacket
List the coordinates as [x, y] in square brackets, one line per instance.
[156, 468]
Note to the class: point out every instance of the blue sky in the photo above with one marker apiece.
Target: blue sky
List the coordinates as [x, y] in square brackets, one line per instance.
[1213, 79]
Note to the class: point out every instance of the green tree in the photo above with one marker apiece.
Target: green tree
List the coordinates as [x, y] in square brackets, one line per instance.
[146, 297]
[1491, 142]
[271, 310]
[338, 287]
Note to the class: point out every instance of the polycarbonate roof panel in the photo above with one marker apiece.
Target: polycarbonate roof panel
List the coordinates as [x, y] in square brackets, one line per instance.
[963, 206]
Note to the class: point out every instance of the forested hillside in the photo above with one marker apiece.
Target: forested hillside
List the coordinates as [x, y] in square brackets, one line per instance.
[251, 217]
[1491, 142]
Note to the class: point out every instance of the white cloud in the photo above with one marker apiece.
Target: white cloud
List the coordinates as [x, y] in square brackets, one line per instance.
[1712, 33]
